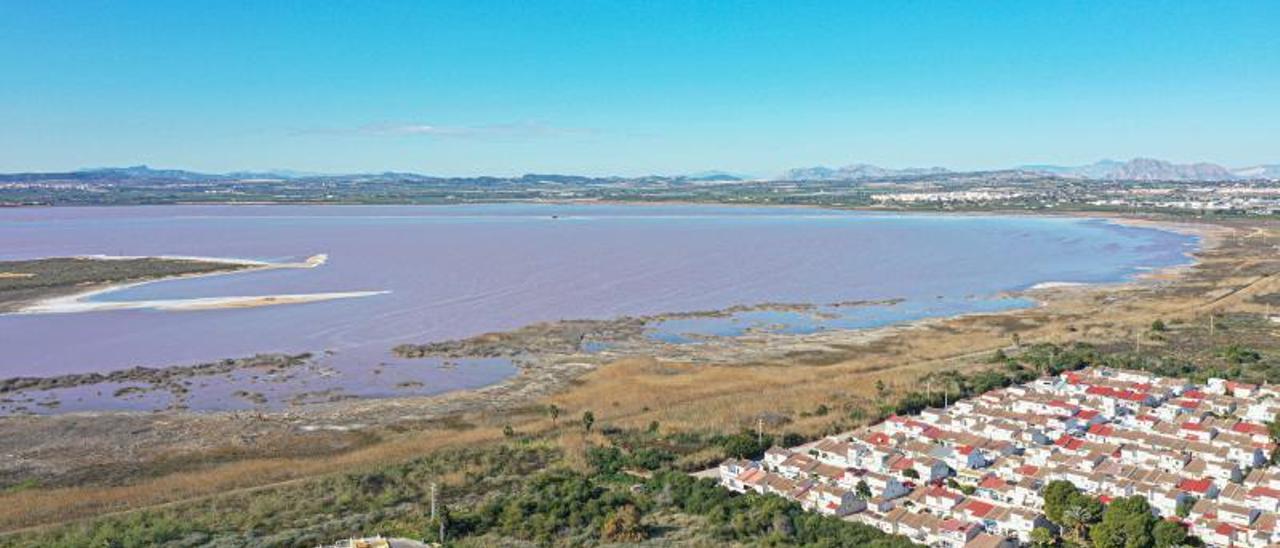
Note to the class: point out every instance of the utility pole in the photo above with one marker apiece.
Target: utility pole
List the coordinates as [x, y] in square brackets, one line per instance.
[1210, 325]
[433, 501]
[760, 431]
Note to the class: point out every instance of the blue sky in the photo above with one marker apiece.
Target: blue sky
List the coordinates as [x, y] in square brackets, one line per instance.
[472, 87]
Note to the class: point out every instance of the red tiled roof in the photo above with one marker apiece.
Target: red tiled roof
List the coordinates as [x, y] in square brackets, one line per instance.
[979, 509]
[1133, 396]
[1087, 414]
[943, 492]
[751, 475]
[1109, 392]
[1069, 442]
[1249, 428]
[1101, 430]
[1193, 394]
[1225, 529]
[1232, 385]
[878, 438]
[991, 482]
[956, 525]
[1196, 486]
[1262, 491]
[902, 464]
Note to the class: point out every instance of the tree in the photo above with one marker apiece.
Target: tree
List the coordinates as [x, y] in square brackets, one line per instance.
[782, 526]
[1043, 538]
[1057, 497]
[1082, 512]
[911, 473]
[1127, 523]
[1158, 326]
[623, 526]
[862, 490]
[881, 390]
[588, 419]
[1273, 428]
[1169, 534]
[1185, 505]
[554, 412]
[1239, 355]
[742, 445]
[792, 439]
[653, 427]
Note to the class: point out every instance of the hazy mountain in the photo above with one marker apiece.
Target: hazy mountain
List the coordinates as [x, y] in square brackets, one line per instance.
[1271, 171]
[143, 172]
[856, 172]
[1096, 170]
[715, 175]
[108, 174]
[274, 174]
[1140, 169]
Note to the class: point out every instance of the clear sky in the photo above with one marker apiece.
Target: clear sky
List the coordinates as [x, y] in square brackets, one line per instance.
[476, 87]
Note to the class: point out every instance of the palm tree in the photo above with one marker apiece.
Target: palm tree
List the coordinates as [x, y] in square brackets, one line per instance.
[1078, 517]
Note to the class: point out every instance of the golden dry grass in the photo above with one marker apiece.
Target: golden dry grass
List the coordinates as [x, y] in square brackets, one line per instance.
[37, 506]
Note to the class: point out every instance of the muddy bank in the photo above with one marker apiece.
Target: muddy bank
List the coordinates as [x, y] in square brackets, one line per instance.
[627, 334]
[156, 376]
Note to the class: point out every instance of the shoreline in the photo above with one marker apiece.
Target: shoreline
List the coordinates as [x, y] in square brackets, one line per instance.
[1041, 295]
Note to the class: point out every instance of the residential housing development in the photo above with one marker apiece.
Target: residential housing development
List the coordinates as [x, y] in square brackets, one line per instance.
[973, 474]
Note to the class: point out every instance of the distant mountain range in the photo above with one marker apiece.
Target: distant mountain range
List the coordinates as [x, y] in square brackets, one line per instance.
[1137, 169]
[1149, 169]
[856, 172]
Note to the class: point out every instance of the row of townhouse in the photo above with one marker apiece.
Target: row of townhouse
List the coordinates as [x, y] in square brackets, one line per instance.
[1200, 451]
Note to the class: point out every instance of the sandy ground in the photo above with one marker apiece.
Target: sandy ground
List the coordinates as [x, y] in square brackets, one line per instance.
[139, 460]
[77, 303]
